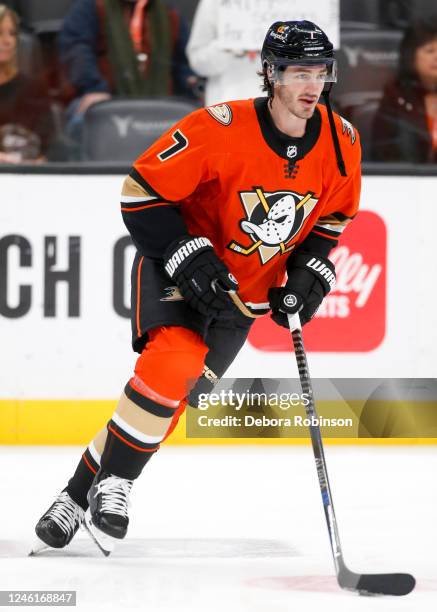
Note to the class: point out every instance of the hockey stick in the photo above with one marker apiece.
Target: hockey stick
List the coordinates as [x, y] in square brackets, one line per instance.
[218, 286]
[365, 584]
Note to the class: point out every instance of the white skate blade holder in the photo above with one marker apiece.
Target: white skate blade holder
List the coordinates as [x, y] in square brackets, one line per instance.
[105, 542]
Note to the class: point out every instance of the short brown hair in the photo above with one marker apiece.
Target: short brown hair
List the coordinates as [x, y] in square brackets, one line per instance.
[267, 85]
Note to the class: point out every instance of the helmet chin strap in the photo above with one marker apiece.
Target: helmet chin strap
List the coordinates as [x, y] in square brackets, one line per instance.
[338, 155]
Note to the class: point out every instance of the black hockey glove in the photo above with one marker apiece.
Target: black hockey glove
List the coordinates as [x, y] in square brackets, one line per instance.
[310, 278]
[192, 263]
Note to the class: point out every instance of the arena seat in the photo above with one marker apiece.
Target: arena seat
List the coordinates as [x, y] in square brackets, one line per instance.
[399, 13]
[360, 12]
[362, 118]
[43, 16]
[367, 60]
[119, 130]
[357, 25]
[422, 9]
[30, 59]
[389, 14]
[187, 8]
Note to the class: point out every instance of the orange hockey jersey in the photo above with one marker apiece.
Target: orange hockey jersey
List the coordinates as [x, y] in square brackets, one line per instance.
[229, 174]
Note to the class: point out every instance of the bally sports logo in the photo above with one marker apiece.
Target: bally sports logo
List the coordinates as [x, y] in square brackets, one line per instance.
[355, 282]
[352, 317]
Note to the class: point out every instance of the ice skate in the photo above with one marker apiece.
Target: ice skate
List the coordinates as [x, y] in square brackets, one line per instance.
[57, 526]
[107, 519]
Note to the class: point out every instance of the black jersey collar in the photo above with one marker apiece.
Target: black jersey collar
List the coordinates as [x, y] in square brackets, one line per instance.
[291, 149]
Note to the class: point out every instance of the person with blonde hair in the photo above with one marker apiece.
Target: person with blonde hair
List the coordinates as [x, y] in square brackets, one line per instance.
[25, 118]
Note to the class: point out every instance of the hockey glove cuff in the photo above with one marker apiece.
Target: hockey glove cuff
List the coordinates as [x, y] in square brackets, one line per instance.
[310, 278]
[193, 265]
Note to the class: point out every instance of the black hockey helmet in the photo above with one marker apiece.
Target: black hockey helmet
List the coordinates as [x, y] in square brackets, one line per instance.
[298, 43]
[288, 41]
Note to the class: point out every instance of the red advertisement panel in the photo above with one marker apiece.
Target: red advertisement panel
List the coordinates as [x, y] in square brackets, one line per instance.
[352, 317]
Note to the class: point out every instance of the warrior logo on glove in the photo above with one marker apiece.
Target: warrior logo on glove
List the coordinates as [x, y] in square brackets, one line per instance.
[272, 221]
[201, 277]
[323, 269]
[185, 251]
[310, 278]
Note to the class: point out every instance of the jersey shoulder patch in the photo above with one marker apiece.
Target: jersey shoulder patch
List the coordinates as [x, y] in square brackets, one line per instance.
[347, 129]
[221, 113]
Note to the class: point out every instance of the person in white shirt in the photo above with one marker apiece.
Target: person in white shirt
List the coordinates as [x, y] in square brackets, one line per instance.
[231, 74]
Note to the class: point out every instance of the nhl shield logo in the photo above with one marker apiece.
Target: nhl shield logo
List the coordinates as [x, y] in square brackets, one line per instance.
[291, 151]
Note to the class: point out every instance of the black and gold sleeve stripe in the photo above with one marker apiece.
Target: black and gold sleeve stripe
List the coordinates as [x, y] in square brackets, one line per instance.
[152, 221]
[137, 195]
[332, 226]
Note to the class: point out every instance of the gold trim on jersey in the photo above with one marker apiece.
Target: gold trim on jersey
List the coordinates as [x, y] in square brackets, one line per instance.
[132, 189]
[332, 223]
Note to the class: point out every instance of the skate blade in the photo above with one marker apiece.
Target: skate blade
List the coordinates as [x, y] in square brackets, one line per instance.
[39, 546]
[104, 542]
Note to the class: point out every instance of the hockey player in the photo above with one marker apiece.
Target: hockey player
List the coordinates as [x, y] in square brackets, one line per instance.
[233, 198]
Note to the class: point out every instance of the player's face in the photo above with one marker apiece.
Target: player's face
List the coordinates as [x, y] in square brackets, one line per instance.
[426, 62]
[300, 89]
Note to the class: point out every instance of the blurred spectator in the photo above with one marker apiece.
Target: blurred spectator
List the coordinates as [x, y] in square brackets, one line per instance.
[12, 4]
[405, 125]
[25, 117]
[123, 47]
[230, 75]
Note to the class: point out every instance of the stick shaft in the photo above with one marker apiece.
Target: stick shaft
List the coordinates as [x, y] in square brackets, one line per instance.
[317, 443]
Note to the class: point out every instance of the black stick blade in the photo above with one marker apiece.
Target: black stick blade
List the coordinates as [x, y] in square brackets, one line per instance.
[376, 584]
[386, 584]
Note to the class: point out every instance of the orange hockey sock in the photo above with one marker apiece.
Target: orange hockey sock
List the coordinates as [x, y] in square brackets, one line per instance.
[165, 372]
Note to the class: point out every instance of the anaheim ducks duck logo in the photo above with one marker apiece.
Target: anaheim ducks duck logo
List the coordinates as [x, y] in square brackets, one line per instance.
[173, 295]
[272, 221]
[348, 129]
[221, 113]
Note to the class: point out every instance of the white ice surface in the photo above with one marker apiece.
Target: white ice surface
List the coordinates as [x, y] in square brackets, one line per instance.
[224, 529]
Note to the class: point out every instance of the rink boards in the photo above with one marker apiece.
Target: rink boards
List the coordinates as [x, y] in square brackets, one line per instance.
[64, 302]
